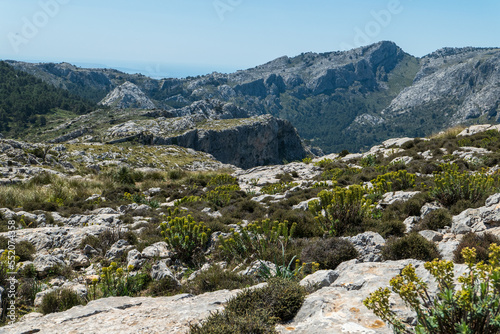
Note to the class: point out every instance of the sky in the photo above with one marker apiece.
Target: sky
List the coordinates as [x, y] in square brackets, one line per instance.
[178, 38]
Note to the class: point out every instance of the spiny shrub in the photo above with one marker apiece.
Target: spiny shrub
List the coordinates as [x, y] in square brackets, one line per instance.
[250, 322]
[166, 286]
[257, 310]
[282, 297]
[185, 236]
[60, 300]
[329, 253]
[471, 307]
[452, 186]
[256, 239]
[26, 292]
[124, 176]
[393, 181]
[411, 246]
[480, 242]
[435, 220]
[368, 161]
[344, 209]
[176, 174]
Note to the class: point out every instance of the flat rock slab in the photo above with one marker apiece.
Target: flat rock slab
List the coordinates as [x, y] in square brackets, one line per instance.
[126, 315]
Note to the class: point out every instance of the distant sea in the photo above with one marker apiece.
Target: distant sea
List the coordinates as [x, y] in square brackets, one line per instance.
[153, 70]
[159, 70]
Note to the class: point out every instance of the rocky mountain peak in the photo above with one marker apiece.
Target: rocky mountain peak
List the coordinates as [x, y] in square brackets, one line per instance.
[128, 95]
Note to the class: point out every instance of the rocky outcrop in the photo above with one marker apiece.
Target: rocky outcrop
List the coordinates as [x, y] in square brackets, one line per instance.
[467, 78]
[247, 142]
[126, 96]
[338, 308]
[127, 315]
[335, 308]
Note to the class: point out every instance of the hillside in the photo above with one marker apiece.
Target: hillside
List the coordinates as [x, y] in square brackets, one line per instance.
[27, 103]
[336, 100]
[153, 238]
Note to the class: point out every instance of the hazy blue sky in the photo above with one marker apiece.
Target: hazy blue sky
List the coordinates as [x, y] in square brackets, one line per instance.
[189, 37]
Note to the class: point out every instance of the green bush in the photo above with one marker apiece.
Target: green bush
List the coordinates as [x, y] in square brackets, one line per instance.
[473, 306]
[257, 310]
[250, 322]
[60, 300]
[435, 220]
[256, 239]
[26, 292]
[215, 279]
[480, 242]
[329, 253]
[176, 174]
[411, 246]
[306, 224]
[344, 209]
[283, 298]
[386, 228]
[125, 176]
[166, 286]
[452, 185]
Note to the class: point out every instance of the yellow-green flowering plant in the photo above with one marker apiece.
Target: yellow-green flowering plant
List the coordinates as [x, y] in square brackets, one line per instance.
[393, 181]
[472, 306]
[452, 185]
[185, 236]
[341, 208]
[256, 238]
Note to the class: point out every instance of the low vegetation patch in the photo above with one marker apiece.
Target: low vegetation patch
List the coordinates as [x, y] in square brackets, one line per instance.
[257, 310]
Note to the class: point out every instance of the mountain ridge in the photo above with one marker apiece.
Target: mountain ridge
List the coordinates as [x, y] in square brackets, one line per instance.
[336, 100]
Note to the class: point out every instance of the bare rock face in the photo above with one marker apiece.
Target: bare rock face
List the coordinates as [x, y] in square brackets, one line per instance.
[126, 315]
[468, 77]
[243, 142]
[128, 95]
[336, 308]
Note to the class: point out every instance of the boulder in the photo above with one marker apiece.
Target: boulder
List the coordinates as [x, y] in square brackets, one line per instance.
[320, 278]
[369, 246]
[118, 249]
[45, 262]
[480, 219]
[431, 235]
[160, 270]
[156, 250]
[392, 197]
[135, 259]
[257, 267]
[338, 308]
